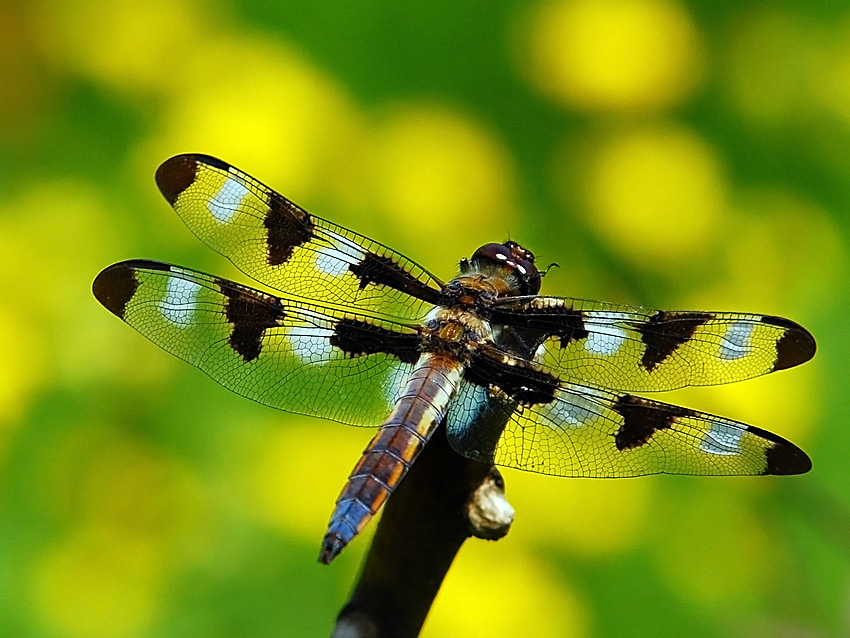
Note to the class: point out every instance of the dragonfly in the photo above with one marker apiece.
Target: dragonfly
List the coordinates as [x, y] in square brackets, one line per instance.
[360, 334]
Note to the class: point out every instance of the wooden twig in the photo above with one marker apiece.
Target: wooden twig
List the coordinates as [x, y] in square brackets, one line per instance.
[443, 500]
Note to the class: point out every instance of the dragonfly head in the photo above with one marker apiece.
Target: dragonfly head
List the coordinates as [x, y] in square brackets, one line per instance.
[510, 261]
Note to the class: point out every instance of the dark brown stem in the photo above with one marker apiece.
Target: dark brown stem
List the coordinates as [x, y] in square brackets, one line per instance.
[443, 500]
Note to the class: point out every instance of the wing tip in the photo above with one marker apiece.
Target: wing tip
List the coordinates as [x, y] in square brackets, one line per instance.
[783, 458]
[115, 286]
[786, 459]
[795, 346]
[177, 173]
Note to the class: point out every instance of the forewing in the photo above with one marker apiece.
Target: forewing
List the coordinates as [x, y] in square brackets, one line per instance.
[638, 350]
[592, 433]
[290, 355]
[276, 242]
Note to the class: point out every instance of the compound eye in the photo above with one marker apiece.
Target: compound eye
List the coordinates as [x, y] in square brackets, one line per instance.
[515, 258]
[500, 253]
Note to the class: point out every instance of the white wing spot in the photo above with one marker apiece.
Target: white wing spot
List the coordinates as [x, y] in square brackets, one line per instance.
[723, 439]
[605, 337]
[226, 201]
[178, 305]
[572, 409]
[335, 261]
[736, 341]
[311, 344]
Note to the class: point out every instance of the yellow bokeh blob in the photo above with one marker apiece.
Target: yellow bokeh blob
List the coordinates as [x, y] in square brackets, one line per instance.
[128, 46]
[493, 592]
[655, 194]
[587, 517]
[99, 583]
[262, 106]
[291, 477]
[23, 367]
[615, 55]
[45, 295]
[436, 169]
[137, 489]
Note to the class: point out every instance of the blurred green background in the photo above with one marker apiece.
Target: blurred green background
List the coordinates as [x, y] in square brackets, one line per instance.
[667, 153]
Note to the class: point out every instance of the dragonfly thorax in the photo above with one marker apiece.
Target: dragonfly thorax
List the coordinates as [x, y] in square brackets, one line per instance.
[454, 331]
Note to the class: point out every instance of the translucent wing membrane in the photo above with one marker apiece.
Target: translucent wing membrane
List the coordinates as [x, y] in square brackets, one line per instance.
[285, 353]
[638, 350]
[593, 433]
[276, 242]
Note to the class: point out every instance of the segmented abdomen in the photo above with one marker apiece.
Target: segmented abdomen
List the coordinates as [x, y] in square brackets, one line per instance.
[419, 409]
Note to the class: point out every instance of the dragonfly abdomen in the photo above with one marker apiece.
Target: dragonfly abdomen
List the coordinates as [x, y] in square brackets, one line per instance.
[389, 455]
